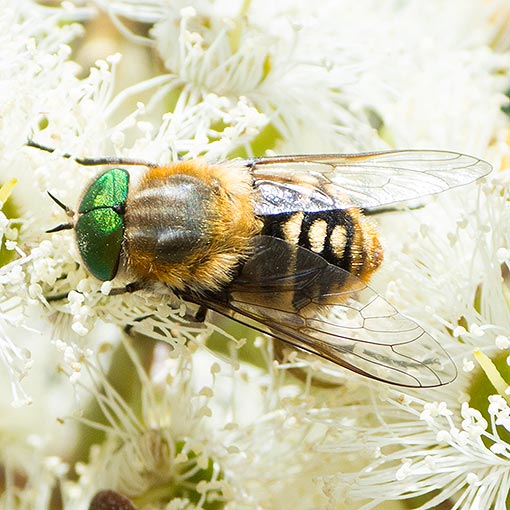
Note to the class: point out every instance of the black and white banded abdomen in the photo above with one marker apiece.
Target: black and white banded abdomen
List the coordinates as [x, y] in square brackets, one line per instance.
[343, 237]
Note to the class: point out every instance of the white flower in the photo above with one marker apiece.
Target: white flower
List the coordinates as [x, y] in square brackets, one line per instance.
[334, 70]
[450, 446]
[284, 64]
[179, 441]
[428, 460]
[238, 79]
[30, 476]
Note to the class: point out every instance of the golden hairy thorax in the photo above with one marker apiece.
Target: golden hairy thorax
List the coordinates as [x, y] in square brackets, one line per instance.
[189, 224]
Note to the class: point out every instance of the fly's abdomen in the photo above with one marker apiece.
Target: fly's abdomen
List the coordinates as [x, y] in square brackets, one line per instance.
[343, 237]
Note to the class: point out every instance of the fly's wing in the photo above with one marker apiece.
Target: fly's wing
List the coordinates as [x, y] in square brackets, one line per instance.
[296, 296]
[314, 183]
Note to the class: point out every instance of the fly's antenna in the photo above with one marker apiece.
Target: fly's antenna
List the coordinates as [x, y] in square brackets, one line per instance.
[69, 212]
[67, 209]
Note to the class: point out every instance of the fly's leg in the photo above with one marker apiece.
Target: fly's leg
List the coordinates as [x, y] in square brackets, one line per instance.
[108, 160]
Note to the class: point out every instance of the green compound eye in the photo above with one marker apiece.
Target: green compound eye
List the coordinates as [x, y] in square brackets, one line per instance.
[100, 226]
[108, 190]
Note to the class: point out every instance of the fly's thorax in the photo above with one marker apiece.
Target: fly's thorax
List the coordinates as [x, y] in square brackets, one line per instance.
[189, 225]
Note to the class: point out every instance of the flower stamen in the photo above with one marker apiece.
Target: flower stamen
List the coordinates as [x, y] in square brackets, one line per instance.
[492, 373]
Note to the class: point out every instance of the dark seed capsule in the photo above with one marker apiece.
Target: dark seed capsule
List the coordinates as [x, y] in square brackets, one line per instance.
[111, 500]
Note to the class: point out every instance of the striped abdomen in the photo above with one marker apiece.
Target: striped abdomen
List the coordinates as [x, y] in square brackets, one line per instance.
[345, 238]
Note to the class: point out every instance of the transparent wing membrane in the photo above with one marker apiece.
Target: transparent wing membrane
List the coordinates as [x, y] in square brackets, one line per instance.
[322, 182]
[322, 309]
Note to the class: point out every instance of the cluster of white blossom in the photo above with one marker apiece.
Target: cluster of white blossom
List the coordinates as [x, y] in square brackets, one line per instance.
[122, 398]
